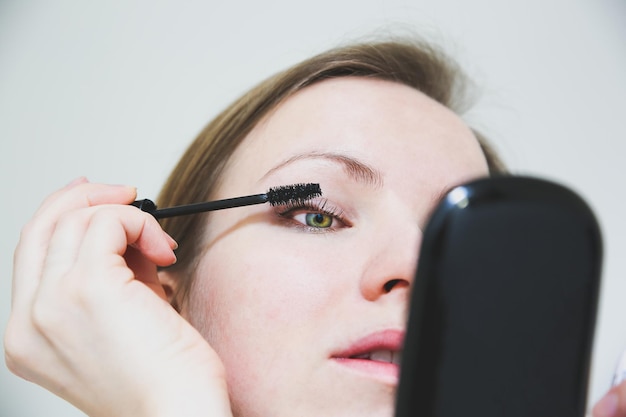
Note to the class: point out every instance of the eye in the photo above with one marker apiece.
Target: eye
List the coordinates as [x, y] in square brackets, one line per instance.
[317, 220]
[314, 216]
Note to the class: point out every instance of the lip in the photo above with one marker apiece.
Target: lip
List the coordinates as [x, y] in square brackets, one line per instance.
[351, 358]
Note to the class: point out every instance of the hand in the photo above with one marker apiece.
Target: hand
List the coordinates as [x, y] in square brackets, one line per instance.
[613, 404]
[89, 320]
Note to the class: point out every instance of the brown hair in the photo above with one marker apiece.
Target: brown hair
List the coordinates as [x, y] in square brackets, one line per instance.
[413, 63]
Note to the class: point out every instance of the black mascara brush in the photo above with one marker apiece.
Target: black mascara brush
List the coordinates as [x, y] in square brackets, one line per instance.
[287, 194]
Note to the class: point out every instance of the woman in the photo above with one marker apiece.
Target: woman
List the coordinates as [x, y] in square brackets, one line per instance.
[290, 310]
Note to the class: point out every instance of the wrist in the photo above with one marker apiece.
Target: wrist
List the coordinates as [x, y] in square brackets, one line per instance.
[191, 400]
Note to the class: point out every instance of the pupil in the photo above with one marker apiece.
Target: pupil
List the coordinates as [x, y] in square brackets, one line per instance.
[319, 218]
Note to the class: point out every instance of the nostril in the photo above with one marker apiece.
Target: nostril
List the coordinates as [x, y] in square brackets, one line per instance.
[390, 284]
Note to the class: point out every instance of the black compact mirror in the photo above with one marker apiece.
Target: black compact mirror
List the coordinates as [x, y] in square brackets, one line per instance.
[503, 305]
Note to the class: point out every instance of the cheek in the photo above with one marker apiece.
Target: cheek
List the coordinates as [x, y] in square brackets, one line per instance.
[266, 306]
[246, 284]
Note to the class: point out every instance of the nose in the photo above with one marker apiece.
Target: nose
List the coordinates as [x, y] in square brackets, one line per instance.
[392, 260]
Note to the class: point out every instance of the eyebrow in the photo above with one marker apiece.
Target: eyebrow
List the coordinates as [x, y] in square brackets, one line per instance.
[356, 170]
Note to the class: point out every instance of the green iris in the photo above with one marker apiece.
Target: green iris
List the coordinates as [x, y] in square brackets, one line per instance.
[318, 220]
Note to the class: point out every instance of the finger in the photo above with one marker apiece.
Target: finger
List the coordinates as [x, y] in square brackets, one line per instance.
[65, 243]
[613, 404]
[87, 251]
[48, 200]
[68, 235]
[91, 194]
[33, 245]
[79, 195]
[59, 259]
[112, 229]
[76, 285]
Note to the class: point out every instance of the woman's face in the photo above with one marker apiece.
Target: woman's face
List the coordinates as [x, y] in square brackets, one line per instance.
[306, 305]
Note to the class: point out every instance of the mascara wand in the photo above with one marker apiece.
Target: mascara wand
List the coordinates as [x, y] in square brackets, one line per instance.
[287, 194]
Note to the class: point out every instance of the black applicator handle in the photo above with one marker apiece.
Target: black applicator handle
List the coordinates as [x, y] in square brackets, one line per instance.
[145, 205]
[149, 206]
[287, 194]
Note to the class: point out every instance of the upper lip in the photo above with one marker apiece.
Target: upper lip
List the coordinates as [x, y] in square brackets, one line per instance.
[390, 340]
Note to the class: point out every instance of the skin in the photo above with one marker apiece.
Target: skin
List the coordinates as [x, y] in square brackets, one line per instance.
[276, 299]
[613, 404]
[88, 320]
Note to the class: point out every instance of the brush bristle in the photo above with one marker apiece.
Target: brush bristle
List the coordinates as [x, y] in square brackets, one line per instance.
[293, 194]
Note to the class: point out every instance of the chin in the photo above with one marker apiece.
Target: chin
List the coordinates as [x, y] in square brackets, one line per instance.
[364, 403]
[337, 404]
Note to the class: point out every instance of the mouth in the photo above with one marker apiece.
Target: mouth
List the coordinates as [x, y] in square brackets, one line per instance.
[383, 356]
[375, 356]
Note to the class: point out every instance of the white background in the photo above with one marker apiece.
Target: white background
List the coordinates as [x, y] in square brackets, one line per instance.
[116, 90]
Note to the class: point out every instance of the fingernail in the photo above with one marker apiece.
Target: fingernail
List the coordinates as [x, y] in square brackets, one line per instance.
[127, 188]
[173, 244]
[607, 406]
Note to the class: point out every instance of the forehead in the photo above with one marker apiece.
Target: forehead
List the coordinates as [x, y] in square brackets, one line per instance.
[390, 126]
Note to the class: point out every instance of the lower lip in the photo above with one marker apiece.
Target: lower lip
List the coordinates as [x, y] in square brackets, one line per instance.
[387, 372]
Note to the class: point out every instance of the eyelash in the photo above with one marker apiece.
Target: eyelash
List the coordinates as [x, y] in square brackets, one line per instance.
[290, 211]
